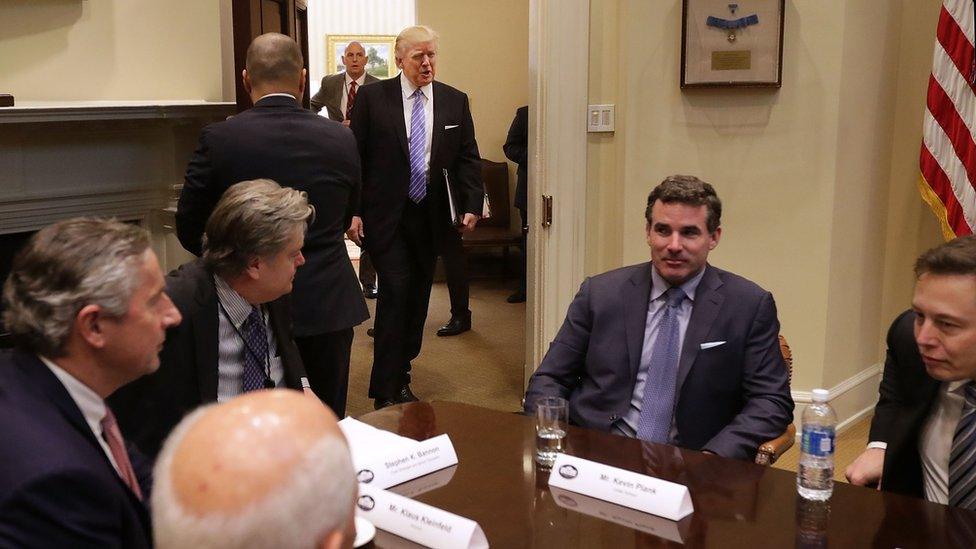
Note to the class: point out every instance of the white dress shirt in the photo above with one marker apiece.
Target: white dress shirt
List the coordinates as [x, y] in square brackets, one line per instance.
[408, 88]
[91, 405]
[344, 102]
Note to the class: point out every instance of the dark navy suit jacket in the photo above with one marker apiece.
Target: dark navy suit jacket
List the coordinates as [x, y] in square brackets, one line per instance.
[731, 397]
[57, 486]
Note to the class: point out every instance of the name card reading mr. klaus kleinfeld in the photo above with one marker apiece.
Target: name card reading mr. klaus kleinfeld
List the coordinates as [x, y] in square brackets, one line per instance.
[383, 459]
[418, 522]
[634, 490]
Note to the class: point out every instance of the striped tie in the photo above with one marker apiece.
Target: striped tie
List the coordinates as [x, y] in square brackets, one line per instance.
[962, 458]
[657, 408]
[418, 144]
[255, 352]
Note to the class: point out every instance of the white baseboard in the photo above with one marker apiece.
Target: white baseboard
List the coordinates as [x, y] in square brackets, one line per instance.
[852, 399]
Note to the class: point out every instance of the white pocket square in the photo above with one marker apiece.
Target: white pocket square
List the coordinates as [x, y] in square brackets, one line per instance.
[710, 344]
[451, 127]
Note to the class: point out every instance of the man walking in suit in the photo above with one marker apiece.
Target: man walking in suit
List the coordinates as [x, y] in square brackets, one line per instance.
[279, 140]
[517, 150]
[338, 95]
[87, 310]
[236, 333]
[673, 351]
[923, 434]
[411, 131]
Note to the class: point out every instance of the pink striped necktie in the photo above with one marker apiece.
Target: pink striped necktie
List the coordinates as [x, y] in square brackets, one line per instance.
[113, 436]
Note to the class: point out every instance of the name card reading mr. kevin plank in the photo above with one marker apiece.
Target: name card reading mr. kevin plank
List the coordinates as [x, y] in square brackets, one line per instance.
[418, 522]
[402, 465]
[636, 491]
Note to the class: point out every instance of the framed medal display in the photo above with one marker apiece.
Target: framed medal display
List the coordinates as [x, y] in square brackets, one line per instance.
[732, 43]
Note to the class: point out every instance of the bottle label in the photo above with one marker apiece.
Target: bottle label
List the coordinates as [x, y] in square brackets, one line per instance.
[818, 441]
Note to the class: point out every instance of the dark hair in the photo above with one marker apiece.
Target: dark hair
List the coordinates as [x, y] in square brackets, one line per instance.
[687, 189]
[274, 57]
[956, 257]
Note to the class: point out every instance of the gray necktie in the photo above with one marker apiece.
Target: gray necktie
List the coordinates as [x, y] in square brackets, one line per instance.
[657, 407]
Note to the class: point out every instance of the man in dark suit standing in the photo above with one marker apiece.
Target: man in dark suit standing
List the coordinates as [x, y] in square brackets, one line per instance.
[87, 310]
[923, 434]
[411, 130]
[673, 351]
[338, 95]
[279, 140]
[236, 331]
[517, 150]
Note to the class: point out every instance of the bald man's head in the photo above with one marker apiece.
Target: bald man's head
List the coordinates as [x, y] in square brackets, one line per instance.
[246, 472]
[274, 65]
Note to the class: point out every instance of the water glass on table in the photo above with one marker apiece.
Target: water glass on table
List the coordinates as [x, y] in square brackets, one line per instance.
[552, 418]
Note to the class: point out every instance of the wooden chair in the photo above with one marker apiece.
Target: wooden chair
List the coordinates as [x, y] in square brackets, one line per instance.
[770, 451]
[496, 231]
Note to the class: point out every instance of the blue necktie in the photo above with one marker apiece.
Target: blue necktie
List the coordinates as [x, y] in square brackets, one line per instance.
[962, 457]
[418, 145]
[255, 351]
[657, 408]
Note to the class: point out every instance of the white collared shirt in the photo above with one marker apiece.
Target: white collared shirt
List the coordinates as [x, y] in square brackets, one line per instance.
[345, 91]
[231, 347]
[91, 405]
[408, 88]
[279, 94]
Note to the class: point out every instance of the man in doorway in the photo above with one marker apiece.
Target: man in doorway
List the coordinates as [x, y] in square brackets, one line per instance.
[517, 150]
[279, 140]
[411, 131]
[923, 434]
[674, 351]
[338, 95]
[86, 305]
[236, 331]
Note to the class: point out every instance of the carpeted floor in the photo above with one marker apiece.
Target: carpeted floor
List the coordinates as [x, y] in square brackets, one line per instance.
[481, 367]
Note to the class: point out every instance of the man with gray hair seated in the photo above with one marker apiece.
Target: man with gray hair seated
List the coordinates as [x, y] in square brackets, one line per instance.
[267, 469]
[237, 335]
[86, 306]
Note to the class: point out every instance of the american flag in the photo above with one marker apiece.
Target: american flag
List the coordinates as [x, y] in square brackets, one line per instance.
[948, 158]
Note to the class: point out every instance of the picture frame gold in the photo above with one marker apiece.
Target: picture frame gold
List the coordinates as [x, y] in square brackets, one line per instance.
[379, 52]
[732, 43]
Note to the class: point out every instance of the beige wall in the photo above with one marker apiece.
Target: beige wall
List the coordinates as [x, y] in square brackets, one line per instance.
[57, 50]
[484, 53]
[817, 178]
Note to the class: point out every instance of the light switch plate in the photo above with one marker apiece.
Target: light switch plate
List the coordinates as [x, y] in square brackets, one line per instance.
[599, 118]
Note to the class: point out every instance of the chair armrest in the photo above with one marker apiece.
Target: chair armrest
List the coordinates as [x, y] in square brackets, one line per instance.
[770, 451]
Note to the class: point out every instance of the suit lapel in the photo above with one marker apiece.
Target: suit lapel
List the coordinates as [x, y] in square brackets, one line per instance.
[205, 338]
[438, 128]
[708, 303]
[636, 301]
[278, 316]
[394, 95]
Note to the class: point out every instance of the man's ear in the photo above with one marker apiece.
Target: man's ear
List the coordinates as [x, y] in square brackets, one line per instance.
[246, 80]
[715, 238]
[253, 269]
[88, 325]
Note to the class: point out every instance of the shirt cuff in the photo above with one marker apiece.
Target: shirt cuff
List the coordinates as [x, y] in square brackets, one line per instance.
[878, 444]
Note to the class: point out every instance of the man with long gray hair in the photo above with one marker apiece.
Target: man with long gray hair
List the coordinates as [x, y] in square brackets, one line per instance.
[236, 336]
[267, 469]
[86, 305]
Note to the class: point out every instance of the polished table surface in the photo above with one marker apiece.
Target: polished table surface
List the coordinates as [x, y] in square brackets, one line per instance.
[737, 503]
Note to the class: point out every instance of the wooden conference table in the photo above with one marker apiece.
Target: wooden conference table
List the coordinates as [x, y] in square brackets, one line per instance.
[737, 503]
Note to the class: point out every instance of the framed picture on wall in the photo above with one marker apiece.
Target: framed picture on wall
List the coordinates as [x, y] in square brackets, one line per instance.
[732, 43]
[379, 53]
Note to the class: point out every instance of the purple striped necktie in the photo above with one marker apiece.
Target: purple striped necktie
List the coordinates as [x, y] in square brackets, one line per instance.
[418, 144]
[962, 456]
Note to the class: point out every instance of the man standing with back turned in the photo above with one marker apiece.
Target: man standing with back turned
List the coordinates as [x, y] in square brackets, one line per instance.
[279, 140]
[674, 351]
[410, 131]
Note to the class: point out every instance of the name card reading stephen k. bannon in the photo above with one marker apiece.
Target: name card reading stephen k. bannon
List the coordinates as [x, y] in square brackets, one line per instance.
[636, 491]
[418, 522]
[400, 466]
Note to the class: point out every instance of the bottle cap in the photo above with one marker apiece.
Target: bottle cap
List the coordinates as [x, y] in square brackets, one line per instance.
[820, 395]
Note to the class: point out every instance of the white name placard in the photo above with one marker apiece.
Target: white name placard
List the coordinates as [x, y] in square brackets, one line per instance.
[402, 465]
[657, 526]
[418, 522]
[648, 494]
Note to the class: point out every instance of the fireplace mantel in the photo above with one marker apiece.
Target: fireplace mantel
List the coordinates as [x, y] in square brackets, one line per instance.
[91, 111]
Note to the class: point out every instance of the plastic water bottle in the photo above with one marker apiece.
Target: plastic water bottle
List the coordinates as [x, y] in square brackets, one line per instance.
[815, 478]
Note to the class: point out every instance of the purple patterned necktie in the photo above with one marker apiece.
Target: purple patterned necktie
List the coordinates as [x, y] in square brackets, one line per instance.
[255, 351]
[657, 407]
[418, 144]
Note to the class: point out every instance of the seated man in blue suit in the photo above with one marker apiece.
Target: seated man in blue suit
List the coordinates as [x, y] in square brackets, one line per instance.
[86, 305]
[673, 351]
[236, 334]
